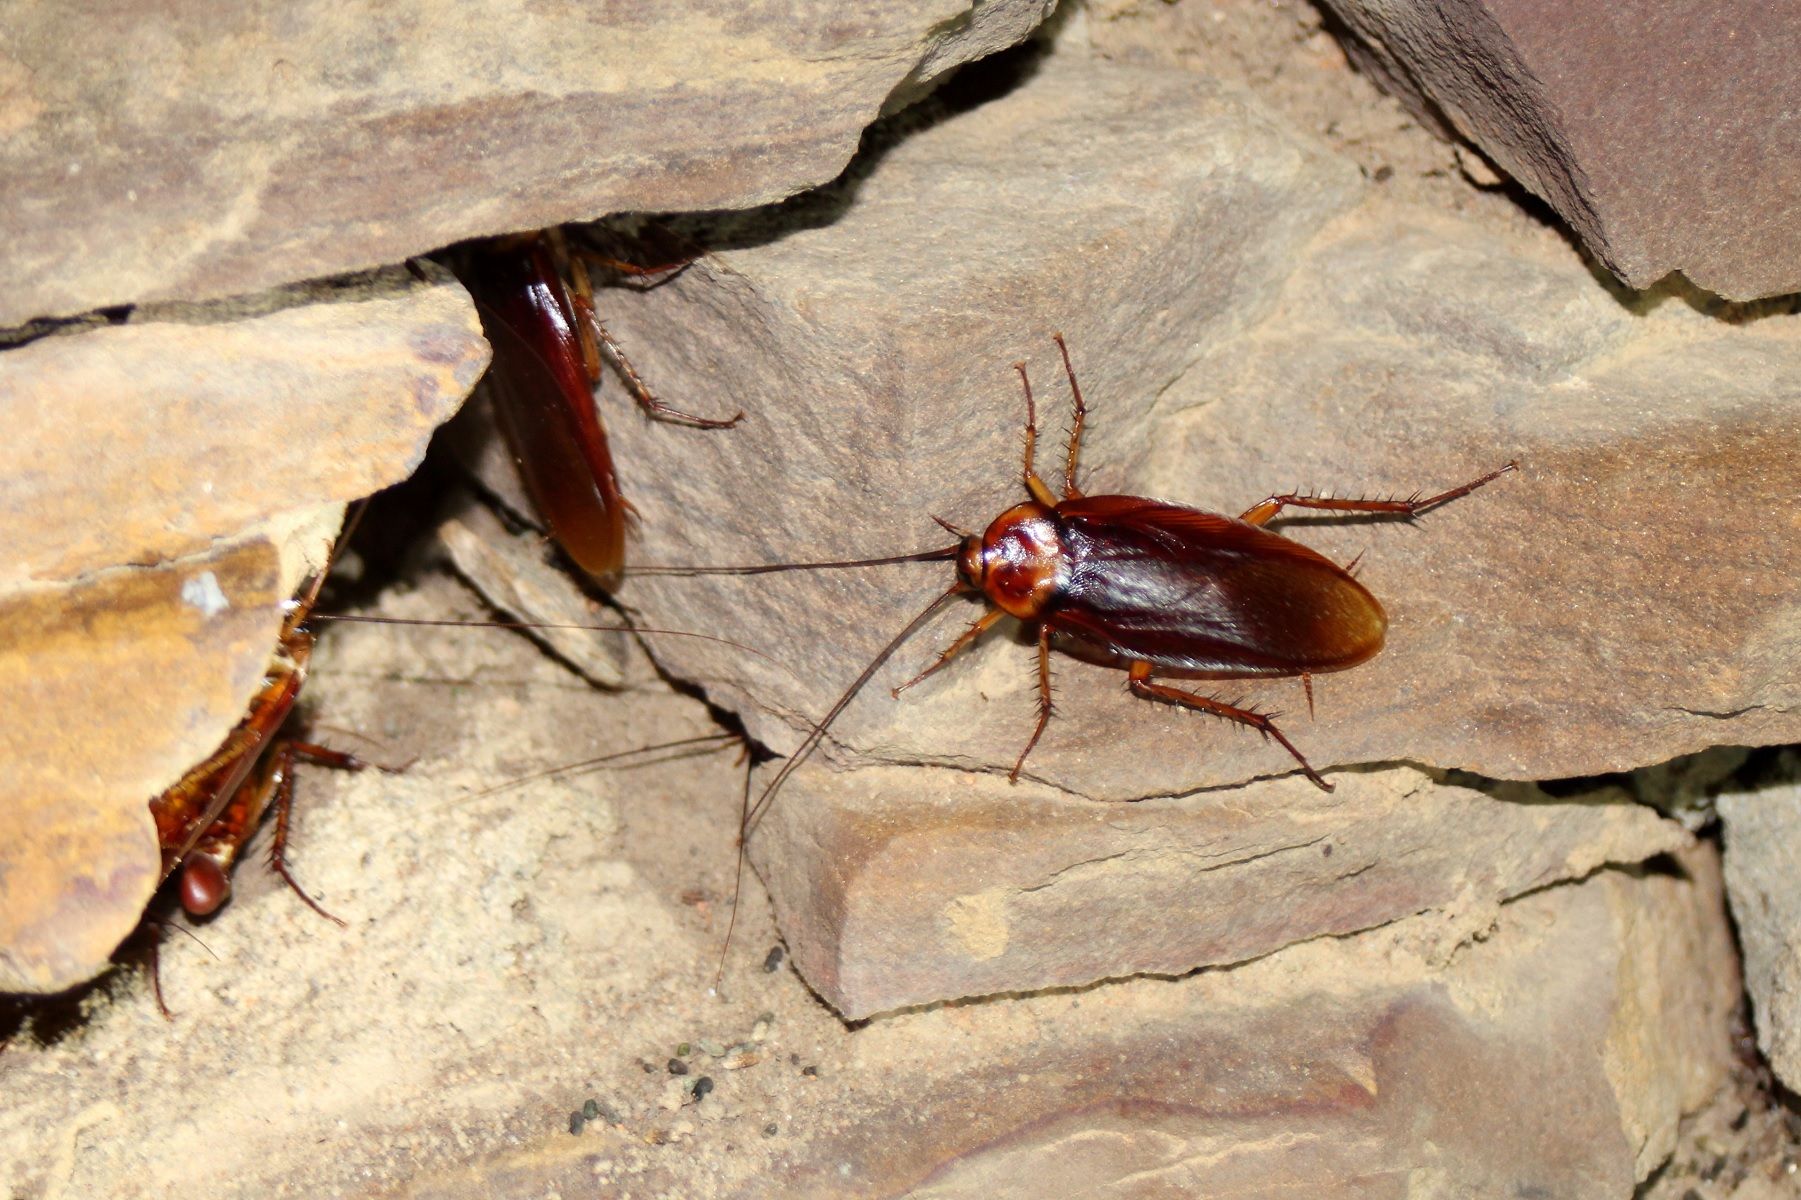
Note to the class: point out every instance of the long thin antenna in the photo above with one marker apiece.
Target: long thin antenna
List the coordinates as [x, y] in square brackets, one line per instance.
[678, 748]
[813, 739]
[531, 626]
[940, 555]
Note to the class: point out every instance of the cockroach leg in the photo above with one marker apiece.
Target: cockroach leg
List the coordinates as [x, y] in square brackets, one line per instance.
[1079, 419]
[1034, 484]
[1142, 686]
[1044, 700]
[981, 625]
[281, 771]
[1262, 512]
[597, 338]
[1307, 686]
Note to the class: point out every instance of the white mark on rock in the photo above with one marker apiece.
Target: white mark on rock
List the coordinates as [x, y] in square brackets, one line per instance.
[204, 593]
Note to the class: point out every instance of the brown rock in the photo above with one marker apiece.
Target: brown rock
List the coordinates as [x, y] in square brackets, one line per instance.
[1143, 212]
[188, 152]
[1565, 621]
[1661, 133]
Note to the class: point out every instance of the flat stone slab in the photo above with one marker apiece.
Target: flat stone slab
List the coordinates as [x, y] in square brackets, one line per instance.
[184, 151]
[900, 886]
[1557, 623]
[1662, 133]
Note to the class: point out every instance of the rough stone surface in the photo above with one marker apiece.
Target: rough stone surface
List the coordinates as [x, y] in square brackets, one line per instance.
[1555, 624]
[513, 954]
[185, 151]
[96, 725]
[517, 575]
[1661, 132]
[147, 441]
[1145, 213]
[910, 886]
[164, 487]
[1763, 878]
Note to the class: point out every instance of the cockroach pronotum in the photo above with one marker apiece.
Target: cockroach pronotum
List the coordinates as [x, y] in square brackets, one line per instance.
[548, 341]
[1150, 587]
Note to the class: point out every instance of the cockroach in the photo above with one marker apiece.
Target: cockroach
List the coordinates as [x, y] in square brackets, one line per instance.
[1148, 586]
[203, 821]
[548, 342]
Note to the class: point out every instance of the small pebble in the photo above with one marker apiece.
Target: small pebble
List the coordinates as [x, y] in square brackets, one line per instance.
[684, 1050]
[590, 1109]
[577, 1121]
[771, 1129]
[772, 962]
[740, 1056]
[677, 1067]
[713, 1048]
[810, 1072]
[702, 1086]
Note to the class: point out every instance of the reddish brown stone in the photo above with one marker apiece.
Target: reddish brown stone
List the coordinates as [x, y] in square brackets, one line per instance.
[1664, 134]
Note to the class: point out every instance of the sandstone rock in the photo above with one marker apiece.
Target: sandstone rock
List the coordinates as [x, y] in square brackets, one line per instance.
[187, 152]
[1364, 380]
[1145, 213]
[1661, 133]
[116, 684]
[1764, 882]
[164, 487]
[513, 954]
[898, 886]
[148, 441]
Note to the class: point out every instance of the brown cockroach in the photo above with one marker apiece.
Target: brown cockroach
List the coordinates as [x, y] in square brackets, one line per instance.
[548, 342]
[206, 817]
[1148, 586]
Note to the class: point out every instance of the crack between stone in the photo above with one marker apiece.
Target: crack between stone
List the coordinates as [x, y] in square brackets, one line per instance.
[1716, 715]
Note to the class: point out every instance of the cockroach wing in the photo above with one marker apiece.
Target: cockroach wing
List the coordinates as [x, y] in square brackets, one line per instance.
[544, 401]
[1195, 591]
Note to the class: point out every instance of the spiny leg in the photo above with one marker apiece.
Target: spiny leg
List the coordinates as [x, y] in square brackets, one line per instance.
[1142, 687]
[595, 336]
[1415, 504]
[1044, 700]
[280, 775]
[1034, 484]
[1075, 428]
[982, 625]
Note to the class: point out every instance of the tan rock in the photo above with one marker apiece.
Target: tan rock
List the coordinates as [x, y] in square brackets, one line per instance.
[899, 886]
[147, 441]
[1765, 886]
[210, 450]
